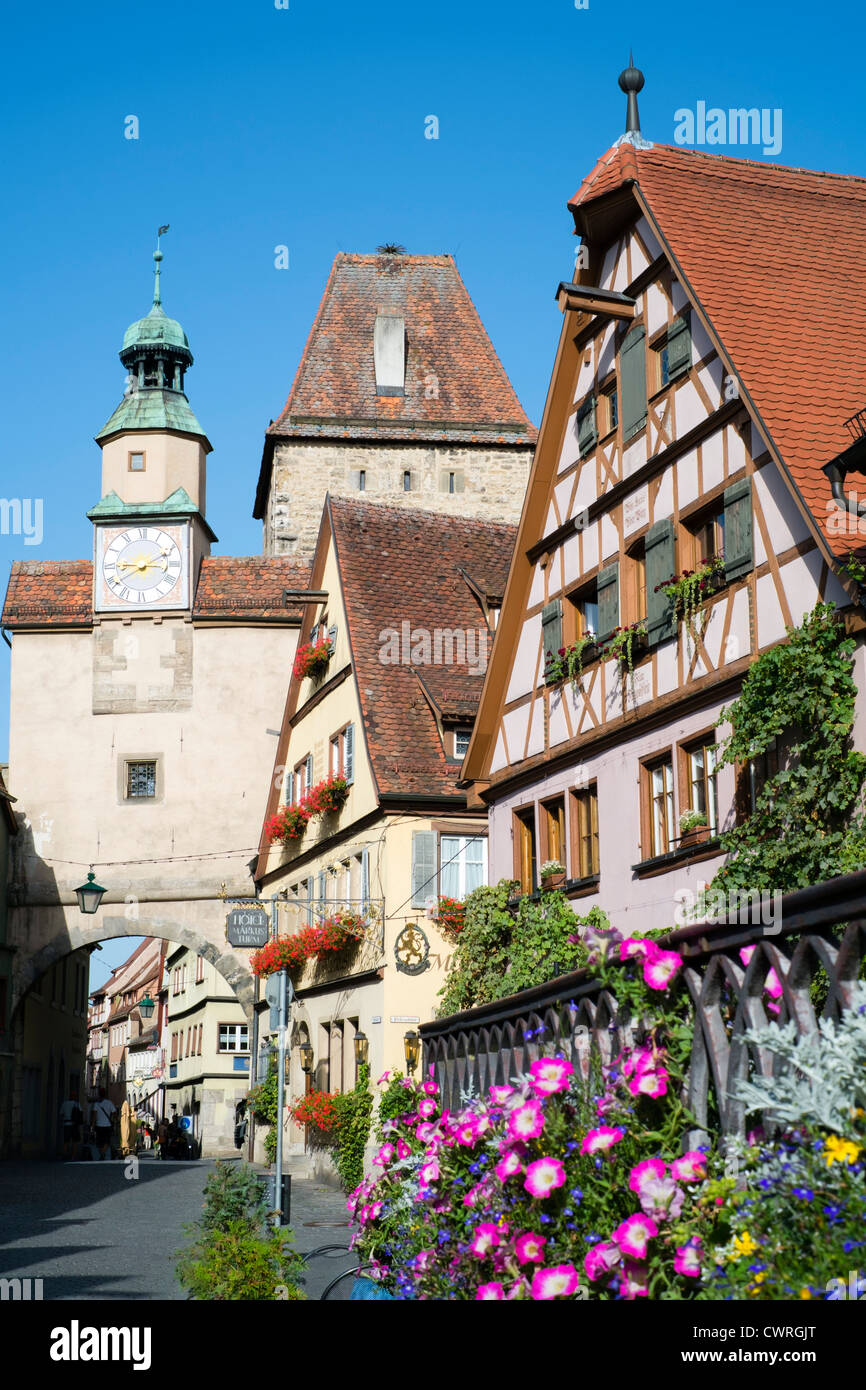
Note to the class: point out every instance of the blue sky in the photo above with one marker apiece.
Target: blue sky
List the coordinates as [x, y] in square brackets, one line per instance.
[304, 127]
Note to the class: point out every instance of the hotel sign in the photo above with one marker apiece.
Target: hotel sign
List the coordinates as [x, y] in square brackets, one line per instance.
[248, 926]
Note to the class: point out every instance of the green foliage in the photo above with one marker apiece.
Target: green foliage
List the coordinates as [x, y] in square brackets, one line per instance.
[233, 1193]
[262, 1102]
[238, 1265]
[394, 1100]
[500, 952]
[808, 824]
[233, 1254]
[354, 1113]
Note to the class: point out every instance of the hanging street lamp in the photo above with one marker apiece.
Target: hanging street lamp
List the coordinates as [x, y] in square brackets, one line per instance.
[90, 895]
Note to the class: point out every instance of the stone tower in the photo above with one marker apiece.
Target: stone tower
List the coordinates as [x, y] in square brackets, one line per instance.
[399, 397]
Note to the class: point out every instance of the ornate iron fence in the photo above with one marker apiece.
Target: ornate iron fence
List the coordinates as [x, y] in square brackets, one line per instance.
[822, 928]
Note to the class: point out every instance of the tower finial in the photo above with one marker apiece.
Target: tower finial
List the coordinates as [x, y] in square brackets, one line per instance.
[631, 80]
[157, 256]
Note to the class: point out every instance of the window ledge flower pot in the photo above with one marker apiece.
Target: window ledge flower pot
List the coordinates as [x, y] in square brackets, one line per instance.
[698, 835]
[550, 882]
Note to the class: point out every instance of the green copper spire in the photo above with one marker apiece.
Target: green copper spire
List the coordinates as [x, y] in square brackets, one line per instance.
[156, 355]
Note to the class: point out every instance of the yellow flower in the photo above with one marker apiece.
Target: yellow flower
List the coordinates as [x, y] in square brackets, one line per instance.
[838, 1150]
[805, 1293]
[743, 1245]
[758, 1280]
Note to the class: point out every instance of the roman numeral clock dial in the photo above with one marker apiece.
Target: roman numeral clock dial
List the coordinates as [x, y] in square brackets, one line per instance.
[142, 567]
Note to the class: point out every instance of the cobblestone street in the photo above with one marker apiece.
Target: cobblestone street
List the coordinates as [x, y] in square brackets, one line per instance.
[91, 1233]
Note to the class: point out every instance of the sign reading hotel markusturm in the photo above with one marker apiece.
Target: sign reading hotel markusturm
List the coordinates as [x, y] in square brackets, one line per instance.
[248, 926]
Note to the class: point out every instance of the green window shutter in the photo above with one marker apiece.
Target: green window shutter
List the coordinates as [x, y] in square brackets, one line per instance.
[551, 628]
[679, 345]
[587, 428]
[632, 370]
[660, 567]
[738, 529]
[423, 867]
[608, 601]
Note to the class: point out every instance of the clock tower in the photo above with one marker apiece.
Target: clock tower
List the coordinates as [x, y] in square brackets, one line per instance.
[150, 532]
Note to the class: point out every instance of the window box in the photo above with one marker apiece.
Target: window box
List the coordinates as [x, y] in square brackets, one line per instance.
[568, 662]
[698, 835]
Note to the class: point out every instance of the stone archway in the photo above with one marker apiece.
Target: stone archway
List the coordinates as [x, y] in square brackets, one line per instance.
[71, 938]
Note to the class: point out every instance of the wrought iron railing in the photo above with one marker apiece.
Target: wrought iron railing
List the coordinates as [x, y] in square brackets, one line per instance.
[292, 914]
[814, 930]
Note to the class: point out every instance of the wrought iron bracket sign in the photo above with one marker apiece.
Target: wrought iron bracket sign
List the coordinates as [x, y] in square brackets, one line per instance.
[412, 951]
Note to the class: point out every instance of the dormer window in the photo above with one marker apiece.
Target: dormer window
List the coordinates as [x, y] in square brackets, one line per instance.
[389, 354]
[461, 742]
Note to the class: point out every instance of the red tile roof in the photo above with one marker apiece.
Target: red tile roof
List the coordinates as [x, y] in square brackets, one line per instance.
[335, 382]
[249, 586]
[397, 567]
[59, 593]
[774, 256]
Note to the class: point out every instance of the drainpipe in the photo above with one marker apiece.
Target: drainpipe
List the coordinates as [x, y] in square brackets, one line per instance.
[852, 460]
[6, 637]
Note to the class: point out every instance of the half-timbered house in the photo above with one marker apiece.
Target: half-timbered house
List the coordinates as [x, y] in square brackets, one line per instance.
[712, 354]
[402, 608]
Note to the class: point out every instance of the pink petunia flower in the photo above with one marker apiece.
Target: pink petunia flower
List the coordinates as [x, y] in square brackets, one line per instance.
[430, 1172]
[688, 1258]
[403, 1150]
[550, 1074]
[500, 1094]
[508, 1167]
[527, 1122]
[601, 1138]
[430, 1088]
[691, 1167]
[633, 948]
[634, 1281]
[471, 1197]
[383, 1078]
[662, 1199]
[423, 1260]
[633, 1234]
[601, 1259]
[426, 1131]
[466, 1134]
[649, 1083]
[486, 1238]
[426, 1107]
[638, 1060]
[558, 1281]
[544, 1176]
[642, 1172]
[529, 1248]
[385, 1155]
[487, 1293]
[660, 967]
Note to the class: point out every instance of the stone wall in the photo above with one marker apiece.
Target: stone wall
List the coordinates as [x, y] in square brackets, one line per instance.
[488, 482]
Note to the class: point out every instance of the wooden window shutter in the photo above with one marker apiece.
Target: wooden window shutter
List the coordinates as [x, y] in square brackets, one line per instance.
[308, 772]
[423, 867]
[551, 628]
[349, 754]
[587, 426]
[332, 637]
[660, 567]
[314, 633]
[365, 879]
[608, 601]
[738, 529]
[632, 368]
[679, 345]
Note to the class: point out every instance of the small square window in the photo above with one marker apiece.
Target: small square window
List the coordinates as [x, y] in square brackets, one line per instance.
[233, 1037]
[136, 463]
[141, 780]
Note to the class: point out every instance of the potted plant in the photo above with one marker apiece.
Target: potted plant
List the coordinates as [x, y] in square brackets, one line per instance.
[688, 590]
[450, 917]
[311, 658]
[552, 875]
[627, 643]
[284, 953]
[289, 823]
[328, 796]
[568, 662]
[694, 829]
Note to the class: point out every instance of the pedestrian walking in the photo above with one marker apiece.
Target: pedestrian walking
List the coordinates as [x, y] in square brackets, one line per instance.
[72, 1119]
[102, 1118]
[162, 1138]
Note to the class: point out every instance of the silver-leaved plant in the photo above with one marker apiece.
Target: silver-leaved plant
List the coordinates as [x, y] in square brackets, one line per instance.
[824, 1080]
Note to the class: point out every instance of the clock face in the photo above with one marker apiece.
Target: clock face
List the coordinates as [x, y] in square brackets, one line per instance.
[142, 566]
